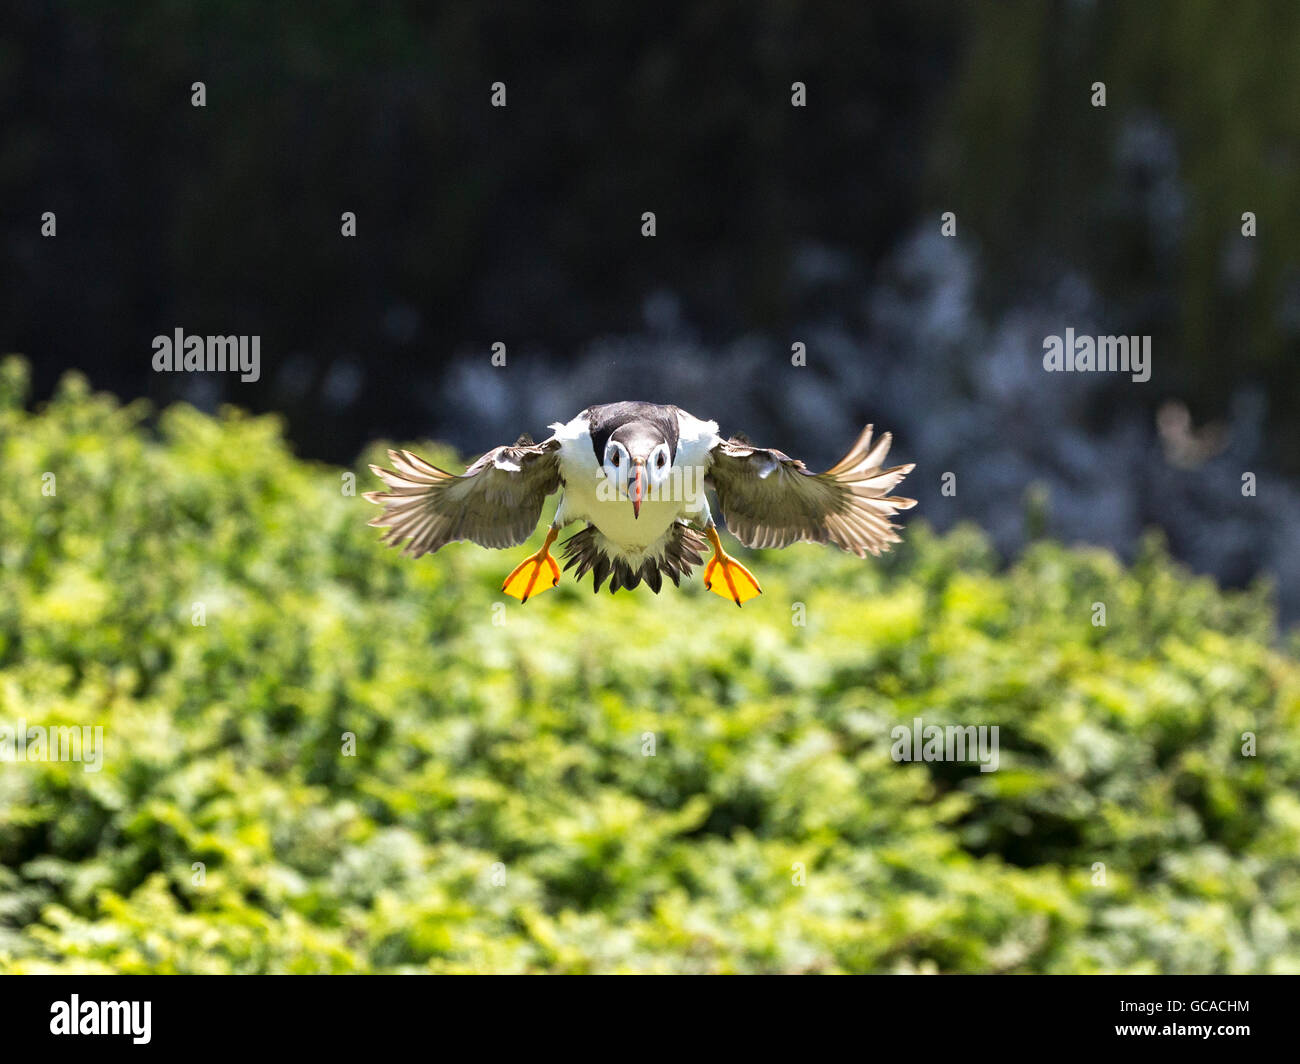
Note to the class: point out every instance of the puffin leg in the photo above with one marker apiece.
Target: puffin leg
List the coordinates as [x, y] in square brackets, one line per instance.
[526, 580]
[727, 577]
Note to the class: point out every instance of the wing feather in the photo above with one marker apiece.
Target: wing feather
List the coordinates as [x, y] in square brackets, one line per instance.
[772, 500]
[496, 502]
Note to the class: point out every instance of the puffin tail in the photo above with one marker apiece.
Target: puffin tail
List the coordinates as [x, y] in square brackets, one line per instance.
[680, 549]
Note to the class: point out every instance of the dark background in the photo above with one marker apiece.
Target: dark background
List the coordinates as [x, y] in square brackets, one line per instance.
[776, 224]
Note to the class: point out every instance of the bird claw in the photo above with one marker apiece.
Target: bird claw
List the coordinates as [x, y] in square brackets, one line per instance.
[522, 583]
[737, 583]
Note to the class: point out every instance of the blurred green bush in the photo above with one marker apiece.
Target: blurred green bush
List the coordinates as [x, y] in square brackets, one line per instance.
[500, 812]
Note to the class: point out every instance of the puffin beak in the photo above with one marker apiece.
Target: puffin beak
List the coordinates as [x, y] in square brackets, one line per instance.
[636, 487]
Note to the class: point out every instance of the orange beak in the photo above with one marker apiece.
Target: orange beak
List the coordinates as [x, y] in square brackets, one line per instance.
[636, 488]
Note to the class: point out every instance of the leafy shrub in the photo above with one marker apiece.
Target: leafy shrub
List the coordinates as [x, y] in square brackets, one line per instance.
[500, 813]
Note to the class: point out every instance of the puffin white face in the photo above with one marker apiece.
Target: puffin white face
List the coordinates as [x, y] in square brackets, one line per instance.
[658, 465]
[634, 471]
[617, 463]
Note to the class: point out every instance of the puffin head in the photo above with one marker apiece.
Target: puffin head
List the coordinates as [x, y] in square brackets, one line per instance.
[639, 457]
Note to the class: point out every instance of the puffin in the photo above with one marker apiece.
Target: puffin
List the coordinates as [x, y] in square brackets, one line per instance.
[637, 476]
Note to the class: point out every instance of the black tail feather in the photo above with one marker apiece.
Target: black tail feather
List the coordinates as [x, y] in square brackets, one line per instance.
[683, 551]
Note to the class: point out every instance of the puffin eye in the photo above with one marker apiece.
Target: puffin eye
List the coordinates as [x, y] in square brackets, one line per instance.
[614, 458]
[662, 459]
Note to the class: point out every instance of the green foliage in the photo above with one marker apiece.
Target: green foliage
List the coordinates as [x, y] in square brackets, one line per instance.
[522, 743]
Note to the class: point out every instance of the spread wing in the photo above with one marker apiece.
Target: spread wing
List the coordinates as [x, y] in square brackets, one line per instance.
[496, 502]
[772, 500]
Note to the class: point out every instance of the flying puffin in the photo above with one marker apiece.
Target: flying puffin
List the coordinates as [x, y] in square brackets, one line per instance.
[636, 474]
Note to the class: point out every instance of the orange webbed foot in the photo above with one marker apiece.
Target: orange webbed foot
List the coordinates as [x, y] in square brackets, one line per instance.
[727, 577]
[526, 580]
